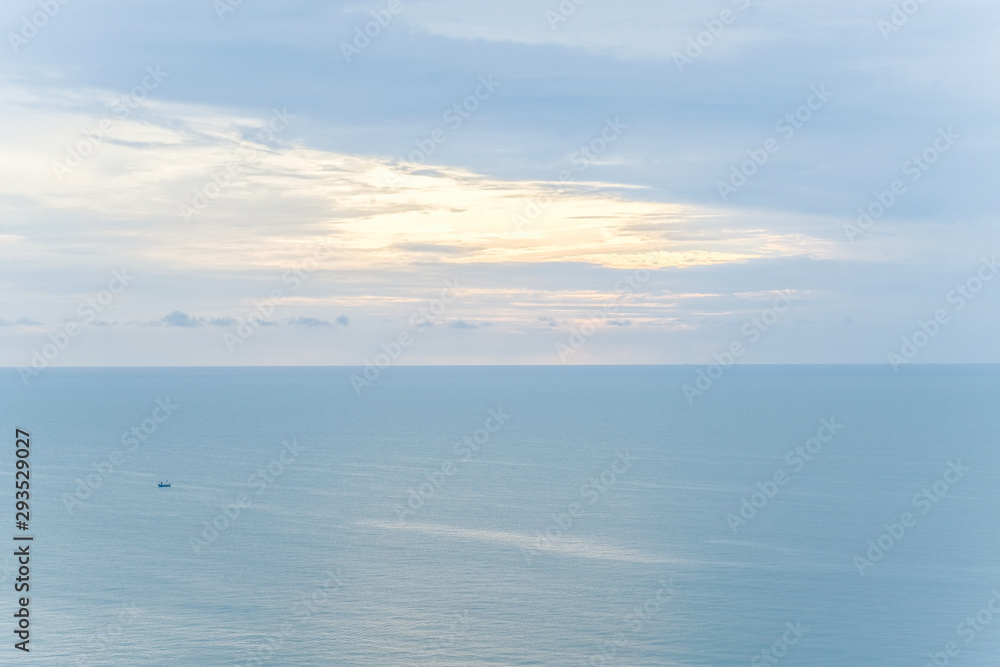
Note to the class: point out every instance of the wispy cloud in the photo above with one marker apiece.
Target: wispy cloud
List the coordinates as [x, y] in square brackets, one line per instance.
[19, 322]
[309, 322]
[179, 318]
[376, 212]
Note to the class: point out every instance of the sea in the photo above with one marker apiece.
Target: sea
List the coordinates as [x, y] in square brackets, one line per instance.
[505, 516]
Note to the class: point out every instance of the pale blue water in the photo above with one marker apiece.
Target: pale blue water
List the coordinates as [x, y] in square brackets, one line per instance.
[449, 583]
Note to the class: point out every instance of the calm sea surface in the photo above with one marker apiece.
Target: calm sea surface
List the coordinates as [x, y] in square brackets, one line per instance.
[507, 516]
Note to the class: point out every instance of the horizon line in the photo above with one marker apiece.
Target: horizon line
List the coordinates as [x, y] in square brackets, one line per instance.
[491, 365]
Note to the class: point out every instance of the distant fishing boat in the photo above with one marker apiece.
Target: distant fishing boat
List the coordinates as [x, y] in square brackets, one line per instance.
[163, 485]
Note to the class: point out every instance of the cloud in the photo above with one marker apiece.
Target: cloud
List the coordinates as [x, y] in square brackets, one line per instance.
[375, 213]
[21, 321]
[430, 248]
[179, 319]
[462, 324]
[636, 29]
[310, 322]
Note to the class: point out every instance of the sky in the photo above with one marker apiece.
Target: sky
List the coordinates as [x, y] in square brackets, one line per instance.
[233, 183]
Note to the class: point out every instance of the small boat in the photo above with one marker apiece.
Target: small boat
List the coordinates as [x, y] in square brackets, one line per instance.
[163, 485]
